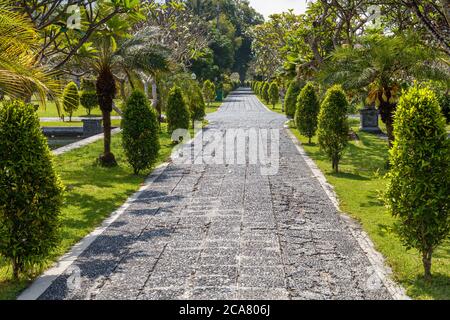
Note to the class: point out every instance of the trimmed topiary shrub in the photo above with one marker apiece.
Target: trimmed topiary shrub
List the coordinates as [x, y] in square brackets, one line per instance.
[265, 92]
[30, 190]
[71, 99]
[290, 102]
[209, 91]
[88, 100]
[419, 179]
[140, 135]
[274, 94]
[177, 112]
[333, 125]
[197, 105]
[307, 111]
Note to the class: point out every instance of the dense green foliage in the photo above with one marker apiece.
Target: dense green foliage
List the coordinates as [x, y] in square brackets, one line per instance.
[307, 111]
[333, 126]
[197, 105]
[88, 100]
[265, 91]
[71, 99]
[88, 96]
[30, 190]
[274, 94]
[418, 191]
[177, 112]
[290, 102]
[140, 132]
[209, 91]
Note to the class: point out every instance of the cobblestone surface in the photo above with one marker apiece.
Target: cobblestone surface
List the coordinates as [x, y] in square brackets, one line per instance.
[227, 232]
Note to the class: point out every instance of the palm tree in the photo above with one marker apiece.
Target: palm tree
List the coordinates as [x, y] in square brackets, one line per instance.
[140, 53]
[380, 66]
[20, 74]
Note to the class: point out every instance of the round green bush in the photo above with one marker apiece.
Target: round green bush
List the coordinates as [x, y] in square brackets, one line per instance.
[71, 99]
[88, 100]
[30, 190]
[274, 94]
[307, 111]
[418, 192]
[140, 136]
[333, 125]
[290, 102]
[177, 112]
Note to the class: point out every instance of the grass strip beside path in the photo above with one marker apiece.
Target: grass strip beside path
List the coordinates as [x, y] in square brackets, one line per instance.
[358, 187]
[92, 194]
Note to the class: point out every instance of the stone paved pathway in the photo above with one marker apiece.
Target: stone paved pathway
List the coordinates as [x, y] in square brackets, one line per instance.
[227, 232]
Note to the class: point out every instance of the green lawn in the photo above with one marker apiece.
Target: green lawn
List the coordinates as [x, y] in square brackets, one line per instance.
[92, 194]
[50, 110]
[213, 107]
[358, 187]
[114, 123]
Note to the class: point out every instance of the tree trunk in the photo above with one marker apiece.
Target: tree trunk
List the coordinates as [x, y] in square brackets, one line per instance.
[106, 90]
[426, 260]
[387, 116]
[107, 159]
[309, 140]
[16, 268]
[154, 93]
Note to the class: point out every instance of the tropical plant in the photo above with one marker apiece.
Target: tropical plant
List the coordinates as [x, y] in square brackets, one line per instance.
[381, 65]
[419, 179]
[177, 111]
[140, 53]
[21, 75]
[140, 136]
[307, 111]
[274, 94]
[30, 190]
[333, 126]
[71, 99]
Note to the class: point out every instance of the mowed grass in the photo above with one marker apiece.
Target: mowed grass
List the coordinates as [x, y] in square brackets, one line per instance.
[358, 187]
[213, 107]
[114, 123]
[50, 110]
[92, 194]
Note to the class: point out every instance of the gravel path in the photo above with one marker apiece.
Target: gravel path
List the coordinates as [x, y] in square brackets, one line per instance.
[227, 232]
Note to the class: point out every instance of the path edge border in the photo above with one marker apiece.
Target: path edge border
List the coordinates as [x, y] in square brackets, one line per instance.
[376, 259]
[45, 280]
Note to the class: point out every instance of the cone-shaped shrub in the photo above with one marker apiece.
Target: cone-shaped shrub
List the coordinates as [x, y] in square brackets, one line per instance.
[177, 111]
[265, 92]
[274, 94]
[418, 192]
[30, 190]
[209, 91]
[290, 102]
[307, 111]
[71, 99]
[140, 136]
[333, 125]
[197, 105]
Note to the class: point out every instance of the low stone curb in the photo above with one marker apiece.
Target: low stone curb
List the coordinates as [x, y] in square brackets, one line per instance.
[43, 282]
[375, 258]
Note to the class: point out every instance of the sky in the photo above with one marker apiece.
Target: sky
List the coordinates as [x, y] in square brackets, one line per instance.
[268, 7]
